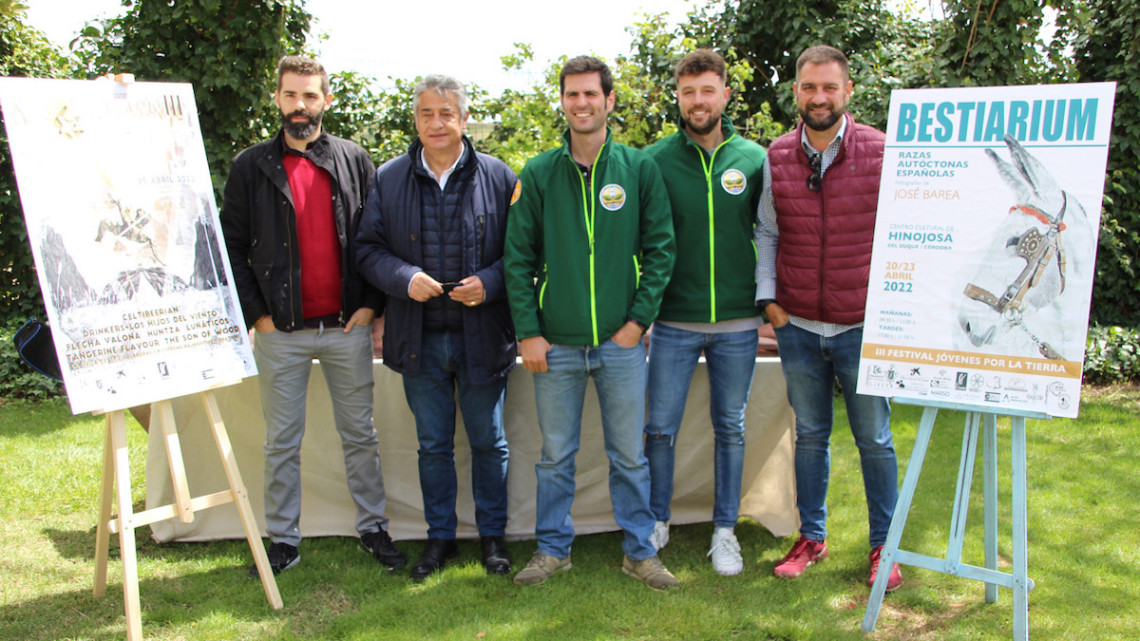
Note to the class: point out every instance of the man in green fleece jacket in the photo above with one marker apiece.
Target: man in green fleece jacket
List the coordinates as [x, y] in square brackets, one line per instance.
[714, 179]
[589, 250]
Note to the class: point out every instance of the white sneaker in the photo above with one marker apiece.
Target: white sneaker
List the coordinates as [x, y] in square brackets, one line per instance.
[660, 536]
[725, 552]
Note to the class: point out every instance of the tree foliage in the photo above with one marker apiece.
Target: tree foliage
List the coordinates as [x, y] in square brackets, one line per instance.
[1109, 50]
[381, 122]
[528, 122]
[770, 35]
[24, 52]
[228, 49]
[988, 43]
[976, 42]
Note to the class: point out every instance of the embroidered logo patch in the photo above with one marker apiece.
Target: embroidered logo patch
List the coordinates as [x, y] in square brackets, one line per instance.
[612, 197]
[733, 181]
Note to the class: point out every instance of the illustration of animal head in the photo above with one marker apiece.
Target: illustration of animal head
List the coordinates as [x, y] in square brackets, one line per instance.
[1024, 272]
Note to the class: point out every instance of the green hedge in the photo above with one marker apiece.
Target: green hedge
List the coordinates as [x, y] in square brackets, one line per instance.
[1112, 355]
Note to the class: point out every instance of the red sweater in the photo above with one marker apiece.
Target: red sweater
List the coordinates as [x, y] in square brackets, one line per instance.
[319, 245]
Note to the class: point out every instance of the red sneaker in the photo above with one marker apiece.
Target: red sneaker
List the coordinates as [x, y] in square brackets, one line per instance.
[895, 579]
[803, 555]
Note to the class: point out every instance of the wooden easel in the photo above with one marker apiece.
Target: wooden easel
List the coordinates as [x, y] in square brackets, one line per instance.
[117, 480]
[1018, 579]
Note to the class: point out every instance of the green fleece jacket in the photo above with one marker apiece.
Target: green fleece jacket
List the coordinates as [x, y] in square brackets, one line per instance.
[714, 198]
[585, 254]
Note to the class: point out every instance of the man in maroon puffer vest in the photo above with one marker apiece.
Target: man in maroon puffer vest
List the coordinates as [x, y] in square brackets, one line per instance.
[815, 225]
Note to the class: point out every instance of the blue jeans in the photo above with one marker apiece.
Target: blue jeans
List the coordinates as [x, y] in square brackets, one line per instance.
[431, 397]
[619, 378]
[731, 361]
[284, 360]
[811, 366]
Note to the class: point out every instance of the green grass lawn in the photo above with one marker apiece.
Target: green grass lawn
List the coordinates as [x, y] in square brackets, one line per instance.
[1084, 555]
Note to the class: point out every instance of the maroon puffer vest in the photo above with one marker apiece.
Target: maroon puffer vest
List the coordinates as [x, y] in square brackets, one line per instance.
[823, 258]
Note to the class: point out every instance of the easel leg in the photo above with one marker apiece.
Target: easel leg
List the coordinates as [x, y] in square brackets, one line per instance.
[241, 500]
[117, 425]
[989, 471]
[102, 532]
[1020, 538]
[898, 522]
[178, 482]
[962, 494]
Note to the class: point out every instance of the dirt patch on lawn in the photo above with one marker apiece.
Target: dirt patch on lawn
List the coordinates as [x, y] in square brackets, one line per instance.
[1119, 394]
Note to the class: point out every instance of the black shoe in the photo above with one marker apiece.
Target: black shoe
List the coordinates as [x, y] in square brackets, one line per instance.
[436, 553]
[379, 545]
[496, 558]
[282, 556]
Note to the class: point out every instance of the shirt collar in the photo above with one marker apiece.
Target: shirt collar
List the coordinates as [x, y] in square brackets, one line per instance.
[308, 148]
[834, 144]
[442, 180]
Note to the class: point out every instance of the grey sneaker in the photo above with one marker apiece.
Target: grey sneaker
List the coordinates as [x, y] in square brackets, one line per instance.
[660, 537]
[725, 553]
[651, 572]
[541, 567]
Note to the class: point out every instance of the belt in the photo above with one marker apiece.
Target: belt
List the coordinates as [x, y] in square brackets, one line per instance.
[317, 322]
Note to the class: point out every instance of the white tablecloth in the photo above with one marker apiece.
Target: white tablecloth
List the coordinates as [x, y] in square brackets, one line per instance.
[327, 510]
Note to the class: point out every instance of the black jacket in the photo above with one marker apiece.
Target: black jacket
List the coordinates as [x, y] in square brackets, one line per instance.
[260, 228]
[390, 252]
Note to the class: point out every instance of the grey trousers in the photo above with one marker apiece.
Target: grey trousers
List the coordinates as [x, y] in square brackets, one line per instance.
[284, 360]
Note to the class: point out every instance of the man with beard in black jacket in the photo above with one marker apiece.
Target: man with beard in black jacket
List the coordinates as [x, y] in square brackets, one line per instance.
[291, 208]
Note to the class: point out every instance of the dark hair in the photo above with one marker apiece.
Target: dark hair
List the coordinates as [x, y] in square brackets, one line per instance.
[586, 64]
[698, 62]
[822, 54]
[302, 66]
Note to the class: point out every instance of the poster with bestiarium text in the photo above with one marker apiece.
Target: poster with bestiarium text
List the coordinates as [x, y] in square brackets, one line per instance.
[985, 246]
[124, 231]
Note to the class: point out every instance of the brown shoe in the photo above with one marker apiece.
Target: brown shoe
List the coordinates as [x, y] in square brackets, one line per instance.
[651, 572]
[541, 567]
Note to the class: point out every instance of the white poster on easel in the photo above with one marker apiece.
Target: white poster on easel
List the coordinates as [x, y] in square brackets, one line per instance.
[124, 230]
[985, 245]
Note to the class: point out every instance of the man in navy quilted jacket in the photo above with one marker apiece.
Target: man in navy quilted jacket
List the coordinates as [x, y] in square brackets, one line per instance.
[432, 240]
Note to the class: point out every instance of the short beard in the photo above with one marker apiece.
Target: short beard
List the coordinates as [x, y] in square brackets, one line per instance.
[702, 131]
[824, 124]
[302, 130]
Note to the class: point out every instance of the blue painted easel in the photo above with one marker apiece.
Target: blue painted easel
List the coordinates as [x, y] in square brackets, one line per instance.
[982, 420]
